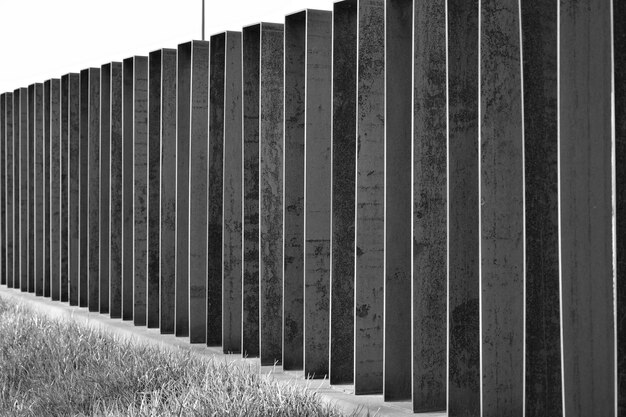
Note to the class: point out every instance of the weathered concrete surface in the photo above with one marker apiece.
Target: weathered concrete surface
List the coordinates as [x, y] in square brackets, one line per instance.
[270, 194]
[543, 340]
[619, 62]
[233, 176]
[215, 190]
[93, 189]
[167, 256]
[8, 196]
[83, 180]
[370, 242]
[74, 184]
[154, 176]
[105, 186]
[64, 188]
[55, 188]
[115, 198]
[47, 134]
[585, 146]
[293, 285]
[127, 272]
[343, 191]
[317, 198]
[251, 57]
[140, 188]
[501, 166]
[463, 278]
[3, 225]
[400, 227]
[20, 101]
[430, 196]
[197, 189]
[35, 192]
[183, 113]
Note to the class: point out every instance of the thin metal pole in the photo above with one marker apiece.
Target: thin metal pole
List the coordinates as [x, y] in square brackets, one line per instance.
[202, 19]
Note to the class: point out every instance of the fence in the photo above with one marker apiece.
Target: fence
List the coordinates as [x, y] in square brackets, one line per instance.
[423, 199]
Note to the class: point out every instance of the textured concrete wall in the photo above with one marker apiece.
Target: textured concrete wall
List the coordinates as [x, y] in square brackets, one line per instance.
[8, 194]
[586, 208]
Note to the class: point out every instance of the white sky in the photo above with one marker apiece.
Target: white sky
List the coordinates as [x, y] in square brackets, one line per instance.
[43, 39]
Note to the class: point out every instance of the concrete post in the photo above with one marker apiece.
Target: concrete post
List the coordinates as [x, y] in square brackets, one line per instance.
[317, 197]
[35, 191]
[47, 137]
[8, 169]
[233, 176]
[587, 276]
[93, 189]
[140, 183]
[197, 188]
[270, 193]
[167, 256]
[25, 94]
[293, 287]
[55, 188]
[116, 218]
[215, 190]
[64, 194]
[105, 186]
[3, 227]
[543, 339]
[74, 184]
[128, 107]
[343, 191]
[463, 276]
[370, 242]
[251, 39]
[83, 180]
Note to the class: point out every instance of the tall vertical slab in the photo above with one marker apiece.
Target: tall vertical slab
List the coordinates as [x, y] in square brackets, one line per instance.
[399, 234]
[115, 197]
[35, 191]
[430, 200]
[317, 198]
[586, 142]
[83, 191]
[293, 280]
[20, 135]
[55, 188]
[127, 187]
[183, 114]
[45, 178]
[9, 204]
[343, 191]
[3, 226]
[251, 54]
[233, 177]
[197, 188]
[501, 193]
[370, 201]
[140, 188]
[619, 86]
[270, 193]
[215, 190]
[463, 237]
[93, 189]
[73, 139]
[105, 187]
[543, 340]
[167, 256]
[63, 191]
[154, 162]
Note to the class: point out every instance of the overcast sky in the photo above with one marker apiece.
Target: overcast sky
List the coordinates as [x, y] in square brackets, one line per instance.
[43, 39]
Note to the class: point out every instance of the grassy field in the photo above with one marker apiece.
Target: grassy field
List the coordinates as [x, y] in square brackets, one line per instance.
[51, 368]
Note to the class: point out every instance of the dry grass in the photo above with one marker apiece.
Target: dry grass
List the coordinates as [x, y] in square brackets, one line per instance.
[58, 368]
